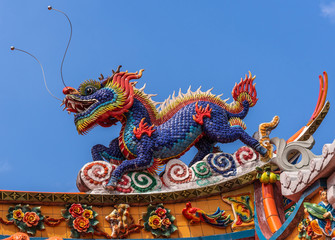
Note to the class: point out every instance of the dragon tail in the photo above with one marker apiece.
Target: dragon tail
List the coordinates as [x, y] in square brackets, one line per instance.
[245, 90]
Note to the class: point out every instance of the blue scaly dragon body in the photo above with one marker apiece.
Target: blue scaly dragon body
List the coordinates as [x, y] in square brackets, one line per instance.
[149, 137]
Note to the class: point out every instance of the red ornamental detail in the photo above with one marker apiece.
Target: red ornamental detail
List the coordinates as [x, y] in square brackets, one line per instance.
[81, 224]
[76, 210]
[201, 113]
[245, 90]
[245, 153]
[95, 177]
[123, 185]
[181, 172]
[96, 170]
[31, 219]
[239, 220]
[143, 128]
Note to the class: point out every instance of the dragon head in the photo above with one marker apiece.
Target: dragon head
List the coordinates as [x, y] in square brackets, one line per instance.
[100, 102]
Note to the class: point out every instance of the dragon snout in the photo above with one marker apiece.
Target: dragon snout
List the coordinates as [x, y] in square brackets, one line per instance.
[70, 90]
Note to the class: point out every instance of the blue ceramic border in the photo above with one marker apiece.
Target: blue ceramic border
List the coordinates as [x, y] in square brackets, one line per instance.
[228, 236]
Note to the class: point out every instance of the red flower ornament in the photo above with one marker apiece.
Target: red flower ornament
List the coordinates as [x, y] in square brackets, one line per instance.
[161, 212]
[76, 210]
[31, 219]
[166, 222]
[81, 224]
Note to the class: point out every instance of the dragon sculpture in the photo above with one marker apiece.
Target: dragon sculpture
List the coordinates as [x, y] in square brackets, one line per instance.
[152, 136]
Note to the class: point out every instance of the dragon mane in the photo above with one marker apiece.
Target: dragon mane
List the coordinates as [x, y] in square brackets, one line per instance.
[244, 90]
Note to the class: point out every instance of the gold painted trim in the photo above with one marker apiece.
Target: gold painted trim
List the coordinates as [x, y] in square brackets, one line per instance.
[50, 198]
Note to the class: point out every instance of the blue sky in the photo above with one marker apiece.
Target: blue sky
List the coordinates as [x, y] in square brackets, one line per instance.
[178, 43]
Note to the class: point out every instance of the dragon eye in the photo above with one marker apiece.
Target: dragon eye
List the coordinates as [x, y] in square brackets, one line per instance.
[90, 90]
[89, 87]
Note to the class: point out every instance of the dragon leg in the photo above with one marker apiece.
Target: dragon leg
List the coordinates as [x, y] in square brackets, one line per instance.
[248, 140]
[101, 152]
[224, 133]
[204, 146]
[144, 160]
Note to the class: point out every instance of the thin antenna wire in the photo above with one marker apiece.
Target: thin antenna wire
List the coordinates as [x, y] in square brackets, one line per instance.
[68, 44]
[45, 83]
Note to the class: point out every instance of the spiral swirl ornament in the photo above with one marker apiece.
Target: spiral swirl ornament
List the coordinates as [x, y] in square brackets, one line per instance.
[94, 175]
[124, 185]
[177, 172]
[144, 181]
[201, 170]
[245, 154]
[222, 163]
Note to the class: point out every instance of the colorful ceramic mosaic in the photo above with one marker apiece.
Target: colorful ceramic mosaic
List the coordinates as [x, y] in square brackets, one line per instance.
[196, 215]
[122, 223]
[289, 206]
[306, 231]
[321, 216]
[81, 219]
[150, 138]
[215, 168]
[289, 211]
[95, 175]
[243, 210]
[159, 221]
[27, 219]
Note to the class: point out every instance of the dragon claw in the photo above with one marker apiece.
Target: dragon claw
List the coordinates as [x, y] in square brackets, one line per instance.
[110, 188]
[111, 185]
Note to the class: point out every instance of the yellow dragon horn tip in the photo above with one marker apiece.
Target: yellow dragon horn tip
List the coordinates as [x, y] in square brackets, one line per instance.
[140, 73]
